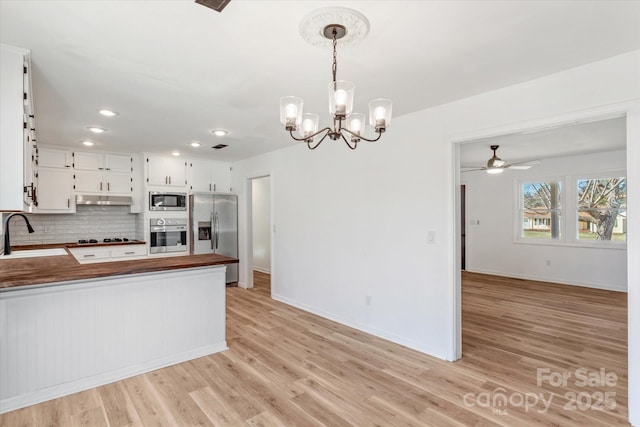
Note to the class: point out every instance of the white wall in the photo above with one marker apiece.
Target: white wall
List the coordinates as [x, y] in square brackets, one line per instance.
[491, 199]
[352, 224]
[261, 212]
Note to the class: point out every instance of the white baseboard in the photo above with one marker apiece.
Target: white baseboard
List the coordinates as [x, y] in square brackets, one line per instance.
[594, 285]
[262, 270]
[397, 339]
[17, 402]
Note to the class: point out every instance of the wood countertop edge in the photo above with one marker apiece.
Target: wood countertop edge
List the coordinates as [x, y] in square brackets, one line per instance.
[15, 273]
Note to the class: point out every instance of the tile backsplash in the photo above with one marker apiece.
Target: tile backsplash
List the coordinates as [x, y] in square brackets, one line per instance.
[89, 222]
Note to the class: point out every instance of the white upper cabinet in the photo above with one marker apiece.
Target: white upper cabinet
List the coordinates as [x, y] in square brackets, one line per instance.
[87, 161]
[54, 158]
[54, 193]
[166, 171]
[102, 182]
[200, 176]
[102, 173]
[15, 129]
[209, 175]
[99, 161]
[222, 176]
[118, 162]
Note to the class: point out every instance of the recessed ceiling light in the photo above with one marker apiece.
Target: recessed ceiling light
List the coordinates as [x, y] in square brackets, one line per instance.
[88, 143]
[195, 144]
[219, 132]
[175, 153]
[97, 129]
[108, 113]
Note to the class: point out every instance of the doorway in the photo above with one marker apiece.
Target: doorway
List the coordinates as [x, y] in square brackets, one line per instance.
[261, 232]
[531, 304]
[463, 227]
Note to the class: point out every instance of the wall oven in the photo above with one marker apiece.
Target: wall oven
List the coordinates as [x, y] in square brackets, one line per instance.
[167, 235]
[161, 201]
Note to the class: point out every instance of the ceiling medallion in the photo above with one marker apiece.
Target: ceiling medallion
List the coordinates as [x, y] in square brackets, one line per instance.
[322, 28]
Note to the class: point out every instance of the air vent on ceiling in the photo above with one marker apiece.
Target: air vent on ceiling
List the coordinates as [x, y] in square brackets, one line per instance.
[219, 146]
[216, 5]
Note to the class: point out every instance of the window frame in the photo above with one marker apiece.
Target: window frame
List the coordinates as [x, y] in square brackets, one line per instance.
[568, 212]
[519, 203]
[610, 244]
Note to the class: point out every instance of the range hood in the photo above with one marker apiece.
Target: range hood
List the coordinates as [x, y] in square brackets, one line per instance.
[90, 199]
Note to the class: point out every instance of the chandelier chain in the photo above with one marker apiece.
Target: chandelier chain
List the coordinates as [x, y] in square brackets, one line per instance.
[334, 67]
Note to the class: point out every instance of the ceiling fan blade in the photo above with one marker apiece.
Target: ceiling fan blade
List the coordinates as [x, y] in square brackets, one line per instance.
[519, 167]
[472, 170]
[526, 162]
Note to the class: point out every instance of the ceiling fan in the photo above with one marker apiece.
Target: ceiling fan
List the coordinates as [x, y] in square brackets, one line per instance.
[496, 165]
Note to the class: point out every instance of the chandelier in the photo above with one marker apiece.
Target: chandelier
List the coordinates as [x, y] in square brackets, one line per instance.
[347, 125]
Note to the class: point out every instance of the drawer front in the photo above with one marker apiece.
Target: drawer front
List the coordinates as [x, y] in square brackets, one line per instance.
[128, 251]
[89, 254]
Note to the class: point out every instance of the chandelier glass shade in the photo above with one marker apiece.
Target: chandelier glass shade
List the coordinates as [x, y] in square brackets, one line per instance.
[347, 125]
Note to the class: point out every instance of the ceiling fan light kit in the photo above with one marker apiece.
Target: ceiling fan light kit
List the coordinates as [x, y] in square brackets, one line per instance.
[496, 165]
[324, 27]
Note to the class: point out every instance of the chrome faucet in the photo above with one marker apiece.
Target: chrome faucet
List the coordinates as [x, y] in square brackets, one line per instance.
[7, 243]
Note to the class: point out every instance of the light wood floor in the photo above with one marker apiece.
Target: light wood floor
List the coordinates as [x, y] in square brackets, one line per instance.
[286, 367]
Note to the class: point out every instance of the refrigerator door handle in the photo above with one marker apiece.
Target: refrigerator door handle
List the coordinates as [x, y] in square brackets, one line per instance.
[217, 228]
[213, 231]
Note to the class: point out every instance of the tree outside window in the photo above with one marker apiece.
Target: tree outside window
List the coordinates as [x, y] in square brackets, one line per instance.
[541, 210]
[602, 209]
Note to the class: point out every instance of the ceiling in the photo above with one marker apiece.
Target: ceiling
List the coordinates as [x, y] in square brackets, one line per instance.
[567, 140]
[175, 70]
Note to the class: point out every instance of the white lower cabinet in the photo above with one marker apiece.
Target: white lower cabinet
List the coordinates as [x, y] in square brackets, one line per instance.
[54, 191]
[108, 253]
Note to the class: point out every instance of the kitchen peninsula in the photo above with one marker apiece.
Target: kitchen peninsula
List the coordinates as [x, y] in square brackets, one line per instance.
[67, 327]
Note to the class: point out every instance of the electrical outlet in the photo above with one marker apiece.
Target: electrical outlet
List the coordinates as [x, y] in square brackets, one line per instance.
[431, 237]
[548, 263]
[367, 300]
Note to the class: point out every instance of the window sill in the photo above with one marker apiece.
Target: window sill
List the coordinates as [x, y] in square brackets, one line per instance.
[572, 244]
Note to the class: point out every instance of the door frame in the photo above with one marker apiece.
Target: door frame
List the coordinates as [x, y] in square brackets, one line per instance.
[247, 266]
[630, 109]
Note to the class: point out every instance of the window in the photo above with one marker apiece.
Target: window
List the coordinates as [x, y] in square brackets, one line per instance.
[586, 211]
[602, 209]
[540, 210]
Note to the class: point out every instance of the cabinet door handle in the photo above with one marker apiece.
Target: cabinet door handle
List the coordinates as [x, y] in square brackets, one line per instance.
[88, 255]
[166, 179]
[129, 253]
[100, 186]
[68, 203]
[209, 187]
[169, 180]
[108, 186]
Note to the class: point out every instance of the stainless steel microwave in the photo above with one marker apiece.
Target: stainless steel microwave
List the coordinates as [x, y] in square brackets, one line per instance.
[160, 201]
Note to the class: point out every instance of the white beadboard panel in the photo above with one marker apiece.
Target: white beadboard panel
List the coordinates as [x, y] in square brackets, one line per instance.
[89, 222]
[66, 337]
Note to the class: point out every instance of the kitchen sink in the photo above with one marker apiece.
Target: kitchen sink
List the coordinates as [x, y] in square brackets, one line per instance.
[34, 253]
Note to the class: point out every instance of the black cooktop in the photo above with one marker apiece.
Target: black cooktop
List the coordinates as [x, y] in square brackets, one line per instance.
[108, 240]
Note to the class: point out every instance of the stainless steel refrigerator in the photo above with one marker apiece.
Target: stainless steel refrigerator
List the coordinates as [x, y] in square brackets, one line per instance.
[213, 225]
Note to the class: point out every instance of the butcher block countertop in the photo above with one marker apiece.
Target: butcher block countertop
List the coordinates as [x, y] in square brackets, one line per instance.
[64, 268]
